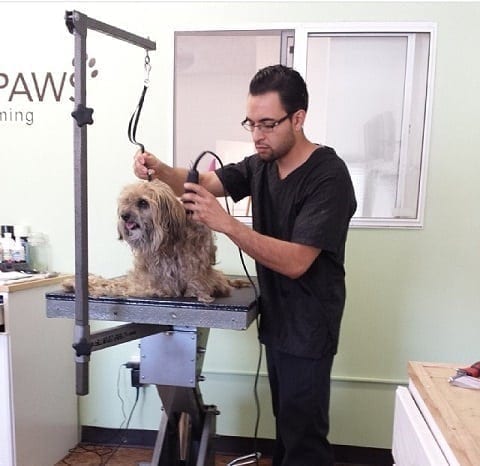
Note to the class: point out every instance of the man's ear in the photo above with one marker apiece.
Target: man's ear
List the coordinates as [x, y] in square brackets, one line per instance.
[298, 119]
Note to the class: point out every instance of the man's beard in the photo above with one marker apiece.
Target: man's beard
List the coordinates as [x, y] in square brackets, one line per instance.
[270, 155]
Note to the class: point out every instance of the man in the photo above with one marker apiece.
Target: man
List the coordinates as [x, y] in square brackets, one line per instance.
[302, 202]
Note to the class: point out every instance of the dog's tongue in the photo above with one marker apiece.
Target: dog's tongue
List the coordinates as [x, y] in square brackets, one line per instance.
[130, 225]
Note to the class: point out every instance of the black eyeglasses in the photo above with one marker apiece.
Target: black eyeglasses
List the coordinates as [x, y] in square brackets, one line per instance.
[266, 126]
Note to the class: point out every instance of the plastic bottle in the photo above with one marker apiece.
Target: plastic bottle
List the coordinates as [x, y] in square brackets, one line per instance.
[6, 229]
[18, 251]
[8, 246]
[22, 232]
[26, 248]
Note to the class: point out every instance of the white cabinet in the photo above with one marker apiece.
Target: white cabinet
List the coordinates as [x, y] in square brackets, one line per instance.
[38, 405]
[413, 441]
[6, 446]
[435, 423]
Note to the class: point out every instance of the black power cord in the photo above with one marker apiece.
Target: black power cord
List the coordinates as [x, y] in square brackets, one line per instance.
[105, 453]
[121, 428]
[125, 428]
[193, 177]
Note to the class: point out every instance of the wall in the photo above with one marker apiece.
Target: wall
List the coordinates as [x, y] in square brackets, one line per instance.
[412, 295]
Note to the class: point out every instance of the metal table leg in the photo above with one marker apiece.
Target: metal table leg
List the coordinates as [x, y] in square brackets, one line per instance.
[173, 361]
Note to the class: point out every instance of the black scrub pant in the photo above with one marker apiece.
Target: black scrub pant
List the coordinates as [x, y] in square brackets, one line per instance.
[300, 397]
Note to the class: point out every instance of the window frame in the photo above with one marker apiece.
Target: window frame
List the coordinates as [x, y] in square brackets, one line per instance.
[301, 34]
[398, 28]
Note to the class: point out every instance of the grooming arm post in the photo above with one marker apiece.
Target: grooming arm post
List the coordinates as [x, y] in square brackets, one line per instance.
[82, 329]
[78, 24]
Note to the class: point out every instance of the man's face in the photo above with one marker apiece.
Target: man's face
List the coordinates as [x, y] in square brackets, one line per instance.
[267, 109]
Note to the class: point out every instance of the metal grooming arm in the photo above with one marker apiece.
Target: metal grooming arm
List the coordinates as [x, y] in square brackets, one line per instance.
[78, 24]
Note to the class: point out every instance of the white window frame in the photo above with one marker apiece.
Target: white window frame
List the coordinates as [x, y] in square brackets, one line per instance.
[402, 28]
[407, 29]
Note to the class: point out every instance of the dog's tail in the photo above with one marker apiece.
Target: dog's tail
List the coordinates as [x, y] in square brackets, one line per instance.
[239, 282]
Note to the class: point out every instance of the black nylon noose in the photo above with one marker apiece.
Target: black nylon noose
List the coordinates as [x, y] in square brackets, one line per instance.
[133, 123]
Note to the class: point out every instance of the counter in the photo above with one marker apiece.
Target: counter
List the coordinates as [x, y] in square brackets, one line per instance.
[32, 283]
[436, 423]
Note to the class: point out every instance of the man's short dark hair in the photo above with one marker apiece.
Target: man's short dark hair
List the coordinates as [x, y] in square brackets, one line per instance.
[289, 84]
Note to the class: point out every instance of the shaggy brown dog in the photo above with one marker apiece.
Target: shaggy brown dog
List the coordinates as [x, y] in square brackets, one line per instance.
[173, 255]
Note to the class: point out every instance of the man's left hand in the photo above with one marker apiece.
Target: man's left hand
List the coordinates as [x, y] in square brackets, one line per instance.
[204, 207]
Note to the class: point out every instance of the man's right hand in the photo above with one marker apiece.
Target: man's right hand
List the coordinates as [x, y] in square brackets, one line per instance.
[145, 164]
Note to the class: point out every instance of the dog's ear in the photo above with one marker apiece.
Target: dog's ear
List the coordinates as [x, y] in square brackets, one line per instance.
[175, 218]
[169, 215]
[119, 230]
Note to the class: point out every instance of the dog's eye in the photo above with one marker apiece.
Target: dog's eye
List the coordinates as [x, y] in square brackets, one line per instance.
[142, 204]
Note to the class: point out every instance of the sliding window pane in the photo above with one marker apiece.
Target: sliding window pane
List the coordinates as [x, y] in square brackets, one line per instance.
[212, 74]
[368, 100]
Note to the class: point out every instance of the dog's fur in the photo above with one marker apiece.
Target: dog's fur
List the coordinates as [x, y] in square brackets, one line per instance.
[173, 255]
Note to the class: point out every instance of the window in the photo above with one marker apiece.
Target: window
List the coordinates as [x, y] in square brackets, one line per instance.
[370, 95]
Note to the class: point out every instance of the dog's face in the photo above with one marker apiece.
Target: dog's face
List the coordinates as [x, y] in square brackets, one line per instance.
[149, 215]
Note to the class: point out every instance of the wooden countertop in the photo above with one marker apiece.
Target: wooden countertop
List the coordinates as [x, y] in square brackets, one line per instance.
[32, 283]
[456, 410]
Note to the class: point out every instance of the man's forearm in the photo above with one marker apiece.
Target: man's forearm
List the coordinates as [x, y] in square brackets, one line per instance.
[174, 177]
[290, 259]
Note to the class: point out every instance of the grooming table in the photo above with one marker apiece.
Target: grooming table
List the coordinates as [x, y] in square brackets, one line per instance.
[235, 312]
[174, 334]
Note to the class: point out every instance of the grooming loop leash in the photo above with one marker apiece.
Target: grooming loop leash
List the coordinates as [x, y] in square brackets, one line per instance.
[133, 123]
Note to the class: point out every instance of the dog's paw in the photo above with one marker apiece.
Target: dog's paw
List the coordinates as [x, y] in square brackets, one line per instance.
[205, 298]
[203, 294]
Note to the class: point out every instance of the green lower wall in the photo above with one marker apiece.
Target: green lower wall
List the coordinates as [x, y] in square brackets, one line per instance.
[361, 408]
[361, 412]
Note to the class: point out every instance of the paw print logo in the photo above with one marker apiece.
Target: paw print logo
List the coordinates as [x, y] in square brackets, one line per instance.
[93, 73]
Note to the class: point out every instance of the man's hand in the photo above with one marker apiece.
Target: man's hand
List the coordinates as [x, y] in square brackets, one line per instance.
[205, 208]
[145, 164]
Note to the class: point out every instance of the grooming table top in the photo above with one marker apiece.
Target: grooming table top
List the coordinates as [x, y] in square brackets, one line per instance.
[235, 312]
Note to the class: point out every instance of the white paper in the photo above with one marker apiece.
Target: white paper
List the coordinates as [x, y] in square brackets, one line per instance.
[465, 381]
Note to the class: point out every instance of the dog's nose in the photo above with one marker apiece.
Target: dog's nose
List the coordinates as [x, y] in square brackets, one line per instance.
[125, 217]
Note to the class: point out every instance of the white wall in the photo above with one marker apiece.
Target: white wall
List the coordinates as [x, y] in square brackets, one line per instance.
[412, 295]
